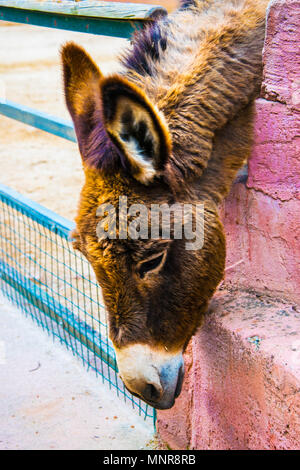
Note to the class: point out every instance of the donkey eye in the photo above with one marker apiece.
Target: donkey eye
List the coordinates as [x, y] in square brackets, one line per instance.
[150, 265]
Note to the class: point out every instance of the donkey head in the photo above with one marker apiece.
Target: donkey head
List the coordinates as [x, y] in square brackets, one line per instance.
[155, 289]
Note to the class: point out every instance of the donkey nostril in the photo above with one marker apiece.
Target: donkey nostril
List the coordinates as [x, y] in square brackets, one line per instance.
[151, 393]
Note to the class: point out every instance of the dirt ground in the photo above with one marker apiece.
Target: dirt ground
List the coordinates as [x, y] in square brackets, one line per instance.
[49, 401]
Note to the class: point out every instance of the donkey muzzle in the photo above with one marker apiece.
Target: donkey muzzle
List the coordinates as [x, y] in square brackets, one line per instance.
[152, 374]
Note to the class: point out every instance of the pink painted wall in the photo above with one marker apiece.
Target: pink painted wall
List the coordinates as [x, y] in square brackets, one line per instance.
[239, 394]
[262, 219]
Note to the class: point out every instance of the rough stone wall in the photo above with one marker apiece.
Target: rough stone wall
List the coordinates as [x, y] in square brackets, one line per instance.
[242, 384]
[262, 219]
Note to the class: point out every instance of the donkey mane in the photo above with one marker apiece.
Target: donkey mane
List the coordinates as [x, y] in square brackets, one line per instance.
[202, 68]
[150, 42]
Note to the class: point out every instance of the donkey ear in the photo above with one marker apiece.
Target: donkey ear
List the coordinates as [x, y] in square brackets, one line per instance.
[136, 127]
[82, 90]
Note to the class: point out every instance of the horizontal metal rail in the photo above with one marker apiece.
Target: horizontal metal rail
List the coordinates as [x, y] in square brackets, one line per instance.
[40, 214]
[98, 9]
[104, 18]
[40, 120]
[61, 127]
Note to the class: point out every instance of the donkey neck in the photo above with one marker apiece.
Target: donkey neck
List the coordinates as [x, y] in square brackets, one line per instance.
[200, 71]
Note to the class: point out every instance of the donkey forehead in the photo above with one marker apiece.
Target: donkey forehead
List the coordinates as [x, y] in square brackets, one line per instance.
[135, 249]
[101, 199]
[107, 186]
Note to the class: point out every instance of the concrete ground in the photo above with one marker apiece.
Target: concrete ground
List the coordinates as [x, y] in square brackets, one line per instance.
[49, 401]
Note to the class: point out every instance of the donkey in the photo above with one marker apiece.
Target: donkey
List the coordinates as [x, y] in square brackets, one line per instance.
[174, 127]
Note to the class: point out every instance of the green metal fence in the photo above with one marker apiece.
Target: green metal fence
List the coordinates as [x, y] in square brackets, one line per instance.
[42, 274]
[39, 270]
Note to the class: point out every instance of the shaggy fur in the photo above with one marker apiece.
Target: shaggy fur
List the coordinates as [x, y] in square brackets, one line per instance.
[175, 127]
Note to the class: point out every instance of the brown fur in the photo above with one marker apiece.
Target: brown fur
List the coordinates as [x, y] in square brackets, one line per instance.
[198, 101]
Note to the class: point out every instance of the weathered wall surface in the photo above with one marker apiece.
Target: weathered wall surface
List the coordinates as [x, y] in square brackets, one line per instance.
[262, 219]
[242, 386]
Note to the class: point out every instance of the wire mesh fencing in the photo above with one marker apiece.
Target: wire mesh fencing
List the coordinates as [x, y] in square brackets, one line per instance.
[55, 285]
